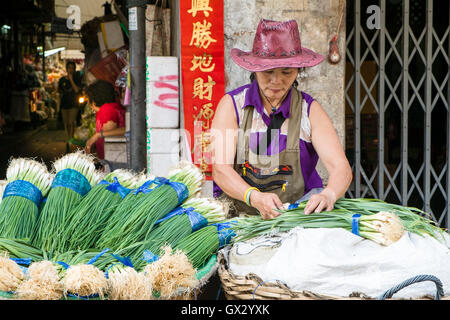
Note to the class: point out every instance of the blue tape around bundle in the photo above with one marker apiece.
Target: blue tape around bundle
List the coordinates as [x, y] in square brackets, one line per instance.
[146, 187]
[24, 189]
[24, 261]
[196, 219]
[72, 179]
[225, 233]
[180, 188]
[355, 223]
[116, 187]
[149, 256]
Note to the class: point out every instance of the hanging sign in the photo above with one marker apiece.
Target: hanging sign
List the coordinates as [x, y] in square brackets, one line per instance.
[203, 73]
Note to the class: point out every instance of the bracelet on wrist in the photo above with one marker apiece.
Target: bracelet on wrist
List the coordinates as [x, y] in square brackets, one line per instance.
[247, 195]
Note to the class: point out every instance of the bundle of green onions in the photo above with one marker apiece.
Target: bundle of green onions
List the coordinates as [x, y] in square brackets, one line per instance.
[200, 245]
[28, 184]
[128, 225]
[375, 220]
[193, 214]
[88, 218]
[75, 175]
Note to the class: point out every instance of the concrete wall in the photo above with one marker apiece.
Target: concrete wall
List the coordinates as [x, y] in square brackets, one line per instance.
[317, 20]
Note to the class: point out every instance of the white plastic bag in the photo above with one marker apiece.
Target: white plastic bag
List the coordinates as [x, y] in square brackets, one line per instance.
[333, 261]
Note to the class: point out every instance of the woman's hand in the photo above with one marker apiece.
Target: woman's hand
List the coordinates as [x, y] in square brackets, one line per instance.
[91, 141]
[318, 202]
[266, 203]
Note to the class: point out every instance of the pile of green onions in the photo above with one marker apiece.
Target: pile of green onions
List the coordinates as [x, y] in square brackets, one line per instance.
[133, 224]
[192, 215]
[28, 183]
[87, 220]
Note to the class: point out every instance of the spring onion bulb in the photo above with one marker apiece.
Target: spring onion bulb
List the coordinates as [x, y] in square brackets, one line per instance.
[170, 273]
[125, 283]
[42, 282]
[11, 275]
[85, 280]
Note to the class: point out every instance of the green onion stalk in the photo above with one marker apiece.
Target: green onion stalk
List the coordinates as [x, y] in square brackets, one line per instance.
[28, 183]
[21, 249]
[193, 214]
[75, 176]
[128, 226]
[88, 218]
[3, 184]
[200, 245]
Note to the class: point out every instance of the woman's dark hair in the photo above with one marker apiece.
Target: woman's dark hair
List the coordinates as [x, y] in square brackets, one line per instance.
[68, 63]
[253, 77]
[101, 92]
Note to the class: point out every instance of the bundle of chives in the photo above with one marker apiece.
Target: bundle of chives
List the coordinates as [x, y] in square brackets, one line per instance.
[127, 227]
[200, 245]
[88, 218]
[28, 183]
[75, 175]
[192, 215]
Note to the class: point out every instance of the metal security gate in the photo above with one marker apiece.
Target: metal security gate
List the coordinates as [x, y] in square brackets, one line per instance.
[397, 102]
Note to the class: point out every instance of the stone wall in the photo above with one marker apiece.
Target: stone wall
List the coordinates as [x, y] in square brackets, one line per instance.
[317, 20]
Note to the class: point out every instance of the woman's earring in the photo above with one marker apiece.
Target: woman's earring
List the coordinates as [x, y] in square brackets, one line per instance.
[302, 74]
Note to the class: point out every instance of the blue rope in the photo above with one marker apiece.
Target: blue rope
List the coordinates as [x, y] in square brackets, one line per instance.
[425, 277]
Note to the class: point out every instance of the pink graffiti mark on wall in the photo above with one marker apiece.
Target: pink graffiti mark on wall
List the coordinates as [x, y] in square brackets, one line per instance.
[165, 84]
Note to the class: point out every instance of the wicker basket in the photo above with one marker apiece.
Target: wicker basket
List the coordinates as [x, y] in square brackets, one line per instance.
[252, 287]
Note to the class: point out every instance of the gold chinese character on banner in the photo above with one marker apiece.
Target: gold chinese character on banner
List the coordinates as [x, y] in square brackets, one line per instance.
[200, 5]
[206, 112]
[203, 63]
[203, 90]
[201, 35]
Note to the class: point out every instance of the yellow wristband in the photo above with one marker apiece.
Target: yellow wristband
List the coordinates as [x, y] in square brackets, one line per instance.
[247, 201]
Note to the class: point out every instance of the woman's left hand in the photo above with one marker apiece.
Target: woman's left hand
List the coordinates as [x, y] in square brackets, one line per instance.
[319, 202]
[90, 142]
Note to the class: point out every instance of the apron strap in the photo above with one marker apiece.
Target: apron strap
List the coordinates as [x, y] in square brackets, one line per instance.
[243, 140]
[295, 119]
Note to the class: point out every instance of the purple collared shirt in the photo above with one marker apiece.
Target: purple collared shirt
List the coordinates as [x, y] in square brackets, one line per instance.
[308, 155]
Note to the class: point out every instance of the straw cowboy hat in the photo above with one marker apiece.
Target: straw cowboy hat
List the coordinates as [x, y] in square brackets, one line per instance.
[276, 44]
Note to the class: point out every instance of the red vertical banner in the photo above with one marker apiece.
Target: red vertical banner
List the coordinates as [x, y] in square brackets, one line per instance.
[202, 72]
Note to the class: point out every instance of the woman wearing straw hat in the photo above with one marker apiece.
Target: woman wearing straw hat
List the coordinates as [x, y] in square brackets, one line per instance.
[268, 136]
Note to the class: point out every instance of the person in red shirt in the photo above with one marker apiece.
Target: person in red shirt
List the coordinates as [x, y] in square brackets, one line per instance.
[110, 115]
